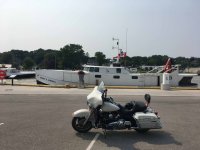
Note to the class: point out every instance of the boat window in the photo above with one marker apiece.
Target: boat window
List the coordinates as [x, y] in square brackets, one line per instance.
[14, 71]
[91, 69]
[97, 76]
[116, 77]
[134, 77]
[86, 69]
[118, 70]
[96, 69]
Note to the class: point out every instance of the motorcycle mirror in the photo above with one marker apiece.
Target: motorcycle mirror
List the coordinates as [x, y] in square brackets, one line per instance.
[106, 90]
[147, 97]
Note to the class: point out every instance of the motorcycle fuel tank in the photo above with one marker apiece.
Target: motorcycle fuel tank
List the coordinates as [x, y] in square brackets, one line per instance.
[109, 107]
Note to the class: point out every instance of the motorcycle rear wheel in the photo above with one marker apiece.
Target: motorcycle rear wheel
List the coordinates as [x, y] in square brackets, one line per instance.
[77, 124]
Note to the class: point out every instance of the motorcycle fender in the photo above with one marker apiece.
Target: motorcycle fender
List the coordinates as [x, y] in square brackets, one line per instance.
[81, 113]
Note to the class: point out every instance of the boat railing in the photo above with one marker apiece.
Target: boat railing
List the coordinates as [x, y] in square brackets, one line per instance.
[160, 69]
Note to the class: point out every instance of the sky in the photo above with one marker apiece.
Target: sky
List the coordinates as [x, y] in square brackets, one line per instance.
[152, 27]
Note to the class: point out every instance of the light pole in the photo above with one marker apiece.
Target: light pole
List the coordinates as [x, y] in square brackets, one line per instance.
[55, 60]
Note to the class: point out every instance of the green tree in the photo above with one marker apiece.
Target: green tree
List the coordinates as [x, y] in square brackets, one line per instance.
[194, 62]
[6, 58]
[28, 63]
[17, 57]
[38, 57]
[72, 56]
[100, 58]
[127, 61]
[50, 60]
[182, 61]
[138, 61]
[155, 60]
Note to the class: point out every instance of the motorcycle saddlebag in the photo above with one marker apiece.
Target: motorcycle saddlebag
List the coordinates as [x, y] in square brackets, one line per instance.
[147, 120]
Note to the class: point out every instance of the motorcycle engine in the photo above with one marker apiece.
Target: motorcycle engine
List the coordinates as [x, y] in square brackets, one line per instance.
[109, 117]
[112, 121]
[118, 125]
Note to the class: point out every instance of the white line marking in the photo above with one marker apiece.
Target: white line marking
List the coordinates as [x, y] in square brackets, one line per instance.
[93, 141]
[1, 123]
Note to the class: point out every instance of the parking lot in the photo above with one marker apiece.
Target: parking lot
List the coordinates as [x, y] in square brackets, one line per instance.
[43, 122]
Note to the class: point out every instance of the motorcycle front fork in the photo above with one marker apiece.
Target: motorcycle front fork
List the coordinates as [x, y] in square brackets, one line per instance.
[91, 117]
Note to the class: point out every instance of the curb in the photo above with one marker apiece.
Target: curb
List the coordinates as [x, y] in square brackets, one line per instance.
[109, 87]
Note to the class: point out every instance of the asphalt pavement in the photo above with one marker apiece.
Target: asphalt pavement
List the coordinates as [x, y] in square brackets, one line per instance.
[40, 119]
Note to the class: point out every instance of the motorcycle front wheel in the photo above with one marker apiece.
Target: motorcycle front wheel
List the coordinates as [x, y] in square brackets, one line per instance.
[77, 124]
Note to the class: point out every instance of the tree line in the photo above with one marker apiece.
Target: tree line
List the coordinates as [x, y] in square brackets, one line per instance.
[73, 56]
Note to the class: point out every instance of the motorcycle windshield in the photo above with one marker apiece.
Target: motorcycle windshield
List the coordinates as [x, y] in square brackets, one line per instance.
[101, 87]
[94, 99]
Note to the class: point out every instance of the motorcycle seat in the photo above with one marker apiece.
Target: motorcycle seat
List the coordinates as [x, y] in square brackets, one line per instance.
[136, 106]
[126, 113]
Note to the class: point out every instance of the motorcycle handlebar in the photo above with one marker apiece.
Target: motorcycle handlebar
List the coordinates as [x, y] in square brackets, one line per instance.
[105, 91]
[104, 95]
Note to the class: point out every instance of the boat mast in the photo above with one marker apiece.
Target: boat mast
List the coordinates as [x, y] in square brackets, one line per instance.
[126, 48]
[118, 55]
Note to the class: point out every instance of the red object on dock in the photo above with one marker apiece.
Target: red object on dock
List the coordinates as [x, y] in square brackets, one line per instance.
[2, 74]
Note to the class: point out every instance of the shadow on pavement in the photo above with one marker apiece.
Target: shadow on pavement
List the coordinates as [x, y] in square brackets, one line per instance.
[87, 136]
[126, 140]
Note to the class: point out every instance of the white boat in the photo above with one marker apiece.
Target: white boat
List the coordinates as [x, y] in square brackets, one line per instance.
[17, 74]
[110, 75]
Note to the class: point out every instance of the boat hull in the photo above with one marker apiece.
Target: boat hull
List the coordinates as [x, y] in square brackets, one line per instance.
[63, 77]
[23, 76]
